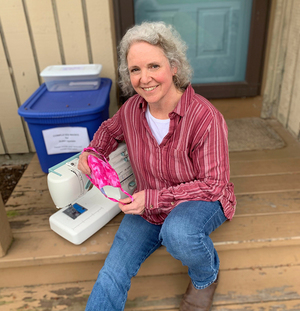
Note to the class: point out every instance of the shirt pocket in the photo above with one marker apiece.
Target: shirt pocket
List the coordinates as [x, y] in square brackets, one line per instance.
[179, 166]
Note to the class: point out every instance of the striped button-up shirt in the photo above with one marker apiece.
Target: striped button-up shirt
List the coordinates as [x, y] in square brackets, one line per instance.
[191, 163]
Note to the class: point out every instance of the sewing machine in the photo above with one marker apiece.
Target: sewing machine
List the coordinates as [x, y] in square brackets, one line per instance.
[83, 208]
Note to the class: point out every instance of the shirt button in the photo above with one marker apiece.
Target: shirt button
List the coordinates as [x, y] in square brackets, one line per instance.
[151, 206]
[172, 203]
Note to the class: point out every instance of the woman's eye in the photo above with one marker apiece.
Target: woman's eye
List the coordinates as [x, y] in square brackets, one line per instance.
[154, 66]
[134, 70]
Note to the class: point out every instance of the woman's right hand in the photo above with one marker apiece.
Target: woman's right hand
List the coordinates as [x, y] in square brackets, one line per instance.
[83, 165]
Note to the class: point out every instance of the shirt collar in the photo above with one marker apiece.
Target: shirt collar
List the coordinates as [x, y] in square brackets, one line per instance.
[182, 105]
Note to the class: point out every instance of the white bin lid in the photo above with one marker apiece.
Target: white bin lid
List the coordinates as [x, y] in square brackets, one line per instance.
[71, 70]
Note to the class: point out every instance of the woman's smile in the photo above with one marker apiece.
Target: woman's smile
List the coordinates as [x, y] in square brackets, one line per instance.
[149, 88]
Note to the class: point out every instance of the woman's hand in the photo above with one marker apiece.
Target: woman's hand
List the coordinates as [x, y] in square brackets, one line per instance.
[83, 165]
[136, 207]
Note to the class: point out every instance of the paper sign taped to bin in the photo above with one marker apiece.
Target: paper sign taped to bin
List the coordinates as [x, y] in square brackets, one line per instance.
[65, 139]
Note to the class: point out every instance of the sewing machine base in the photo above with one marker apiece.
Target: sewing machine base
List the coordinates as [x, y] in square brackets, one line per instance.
[84, 210]
[77, 222]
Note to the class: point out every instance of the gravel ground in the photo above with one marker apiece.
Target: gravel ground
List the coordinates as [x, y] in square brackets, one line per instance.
[12, 167]
[9, 177]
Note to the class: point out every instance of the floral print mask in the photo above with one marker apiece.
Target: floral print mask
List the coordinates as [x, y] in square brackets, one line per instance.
[102, 174]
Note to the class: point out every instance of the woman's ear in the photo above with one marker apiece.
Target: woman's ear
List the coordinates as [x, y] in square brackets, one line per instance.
[174, 71]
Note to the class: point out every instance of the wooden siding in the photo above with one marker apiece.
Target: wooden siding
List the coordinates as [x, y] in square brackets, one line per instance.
[281, 96]
[36, 34]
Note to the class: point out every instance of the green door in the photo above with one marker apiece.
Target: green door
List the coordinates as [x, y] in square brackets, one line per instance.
[216, 32]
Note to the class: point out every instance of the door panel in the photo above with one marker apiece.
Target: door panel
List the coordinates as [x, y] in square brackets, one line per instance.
[216, 32]
[226, 41]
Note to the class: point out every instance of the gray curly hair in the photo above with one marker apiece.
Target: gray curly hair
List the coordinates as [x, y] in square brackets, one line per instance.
[163, 36]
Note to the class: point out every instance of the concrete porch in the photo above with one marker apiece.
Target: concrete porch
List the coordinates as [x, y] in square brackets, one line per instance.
[259, 249]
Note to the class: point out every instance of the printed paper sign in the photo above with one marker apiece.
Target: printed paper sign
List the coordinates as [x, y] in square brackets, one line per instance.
[65, 139]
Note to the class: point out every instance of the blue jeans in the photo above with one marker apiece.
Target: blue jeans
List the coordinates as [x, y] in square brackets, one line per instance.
[185, 233]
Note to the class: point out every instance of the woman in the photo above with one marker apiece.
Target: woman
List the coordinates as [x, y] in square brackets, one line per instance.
[177, 144]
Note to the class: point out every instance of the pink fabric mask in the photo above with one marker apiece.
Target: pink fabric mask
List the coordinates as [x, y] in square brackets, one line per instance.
[102, 174]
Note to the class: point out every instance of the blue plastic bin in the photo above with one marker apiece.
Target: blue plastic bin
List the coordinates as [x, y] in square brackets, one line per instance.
[45, 110]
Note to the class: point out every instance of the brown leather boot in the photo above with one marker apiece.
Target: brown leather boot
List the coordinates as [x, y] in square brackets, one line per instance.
[198, 299]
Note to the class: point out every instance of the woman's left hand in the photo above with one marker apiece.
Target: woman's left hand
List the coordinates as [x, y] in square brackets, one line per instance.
[135, 207]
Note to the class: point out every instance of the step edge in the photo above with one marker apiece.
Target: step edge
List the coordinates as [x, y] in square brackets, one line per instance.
[100, 256]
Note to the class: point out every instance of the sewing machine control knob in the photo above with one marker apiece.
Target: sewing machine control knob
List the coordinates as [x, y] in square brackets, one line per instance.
[73, 163]
[132, 184]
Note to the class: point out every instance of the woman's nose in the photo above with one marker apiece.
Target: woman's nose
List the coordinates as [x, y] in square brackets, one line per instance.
[145, 77]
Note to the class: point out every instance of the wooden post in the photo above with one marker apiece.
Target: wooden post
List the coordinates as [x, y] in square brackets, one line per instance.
[5, 231]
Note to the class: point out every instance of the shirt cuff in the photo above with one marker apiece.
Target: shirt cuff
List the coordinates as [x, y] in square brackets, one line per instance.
[154, 202]
[151, 199]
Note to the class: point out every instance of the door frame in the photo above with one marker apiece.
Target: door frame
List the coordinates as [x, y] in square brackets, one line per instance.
[124, 19]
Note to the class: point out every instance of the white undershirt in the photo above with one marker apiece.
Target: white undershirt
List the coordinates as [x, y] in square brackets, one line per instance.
[159, 128]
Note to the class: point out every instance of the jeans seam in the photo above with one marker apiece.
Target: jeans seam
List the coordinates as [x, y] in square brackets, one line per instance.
[204, 286]
[210, 218]
[215, 270]
[212, 242]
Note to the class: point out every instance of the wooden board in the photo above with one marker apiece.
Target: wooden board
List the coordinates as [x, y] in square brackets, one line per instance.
[23, 67]
[247, 286]
[17, 39]
[2, 150]
[72, 29]
[234, 108]
[253, 291]
[266, 183]
[264, 167]
[27, 201]
[288, 109]
[30, 210]
[242, 233]
[36, 183]
[34, 168]
[11, 124]
[6, 237]
[282, 305]
[101, 31]
[268, 203]
[253, 231]
[243, 185]
[84, 262]
[72, 296]
[258, 258]
[43, 29]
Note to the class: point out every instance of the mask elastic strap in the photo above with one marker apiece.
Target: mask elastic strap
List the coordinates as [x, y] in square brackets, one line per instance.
[114, 200]
[93, 149]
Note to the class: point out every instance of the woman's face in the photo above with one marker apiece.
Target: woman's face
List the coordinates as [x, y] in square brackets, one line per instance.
[150, 72]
